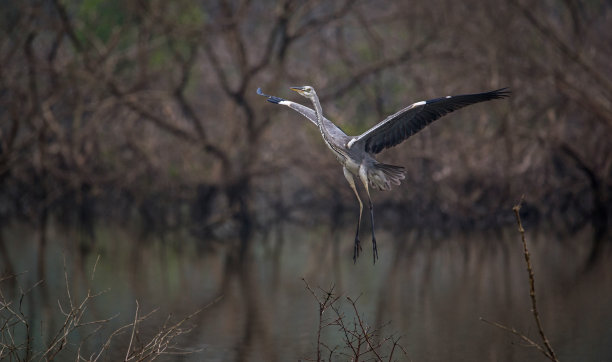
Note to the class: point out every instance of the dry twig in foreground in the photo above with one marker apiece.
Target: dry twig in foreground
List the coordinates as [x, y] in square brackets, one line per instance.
[19, 343]
[361, 341]
[545, 347]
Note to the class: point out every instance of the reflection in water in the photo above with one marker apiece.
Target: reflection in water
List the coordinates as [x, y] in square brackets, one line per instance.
[431, 292]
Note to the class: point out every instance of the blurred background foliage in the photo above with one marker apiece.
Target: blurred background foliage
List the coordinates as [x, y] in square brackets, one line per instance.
[146, 110]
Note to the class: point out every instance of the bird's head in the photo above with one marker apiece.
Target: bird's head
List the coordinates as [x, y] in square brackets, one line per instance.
[306, 91]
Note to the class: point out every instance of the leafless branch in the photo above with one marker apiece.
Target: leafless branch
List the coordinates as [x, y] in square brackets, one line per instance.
[546, 348]
[359, 338]
[532, 292]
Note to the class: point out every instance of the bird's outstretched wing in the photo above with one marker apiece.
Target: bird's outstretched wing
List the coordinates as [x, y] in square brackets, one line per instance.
[306, 112]
[410, 120]
[303, 110]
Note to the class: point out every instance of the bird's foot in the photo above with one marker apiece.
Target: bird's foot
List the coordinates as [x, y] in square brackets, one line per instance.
[356, 250]
[374, 250]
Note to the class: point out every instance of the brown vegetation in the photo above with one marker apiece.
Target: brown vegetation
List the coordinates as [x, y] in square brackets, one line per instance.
[360, 341]
[80, 336]
[109, 108]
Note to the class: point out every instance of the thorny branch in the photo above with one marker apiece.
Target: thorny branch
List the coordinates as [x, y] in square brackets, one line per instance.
[546, 349]
[359, 338]
[532, 293]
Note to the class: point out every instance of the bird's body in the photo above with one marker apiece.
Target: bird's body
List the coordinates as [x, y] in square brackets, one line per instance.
[356, 153]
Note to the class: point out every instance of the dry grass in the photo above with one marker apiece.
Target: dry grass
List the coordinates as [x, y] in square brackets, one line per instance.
[17, 341]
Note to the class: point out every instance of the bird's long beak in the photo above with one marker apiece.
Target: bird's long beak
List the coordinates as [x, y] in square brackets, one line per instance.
[297, 89]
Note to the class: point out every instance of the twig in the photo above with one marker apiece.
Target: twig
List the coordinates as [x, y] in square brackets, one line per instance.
[536, 315]
[360, 340]
[127, 353]
[323, 305]
[396, 345]
[364, 330]
[93, 271]
[529, 341]
[546, 349]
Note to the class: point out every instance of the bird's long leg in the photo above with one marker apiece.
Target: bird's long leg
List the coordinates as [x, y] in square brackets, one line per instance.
[364, 179]
[351, 181]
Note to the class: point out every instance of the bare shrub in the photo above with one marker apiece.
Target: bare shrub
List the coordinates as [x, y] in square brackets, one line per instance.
[361, 340]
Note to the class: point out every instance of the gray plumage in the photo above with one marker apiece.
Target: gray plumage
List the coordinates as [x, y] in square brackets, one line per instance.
[356, 154]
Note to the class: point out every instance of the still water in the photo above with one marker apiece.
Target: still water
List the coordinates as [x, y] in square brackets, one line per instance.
[431, 292]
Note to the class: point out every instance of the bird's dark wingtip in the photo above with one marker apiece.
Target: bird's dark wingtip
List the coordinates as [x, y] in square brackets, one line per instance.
[271, 99]
[275, 100]
[501, 93]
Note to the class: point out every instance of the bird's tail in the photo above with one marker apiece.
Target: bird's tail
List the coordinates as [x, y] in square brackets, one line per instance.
[383, 176]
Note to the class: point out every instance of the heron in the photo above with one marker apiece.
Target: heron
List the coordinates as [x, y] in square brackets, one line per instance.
[356, 153]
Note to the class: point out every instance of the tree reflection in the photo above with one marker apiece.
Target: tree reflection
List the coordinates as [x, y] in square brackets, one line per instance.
[431, 291]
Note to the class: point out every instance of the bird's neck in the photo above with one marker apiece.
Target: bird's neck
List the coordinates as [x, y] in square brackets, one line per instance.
[321, 122]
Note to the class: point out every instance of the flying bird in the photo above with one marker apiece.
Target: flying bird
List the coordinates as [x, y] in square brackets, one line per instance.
[356, 153]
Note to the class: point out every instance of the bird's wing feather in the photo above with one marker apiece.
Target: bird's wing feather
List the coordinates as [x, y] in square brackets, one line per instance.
[410, 120]
[306, 112]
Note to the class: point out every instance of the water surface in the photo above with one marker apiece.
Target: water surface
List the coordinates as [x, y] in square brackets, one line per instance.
[431, 292]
